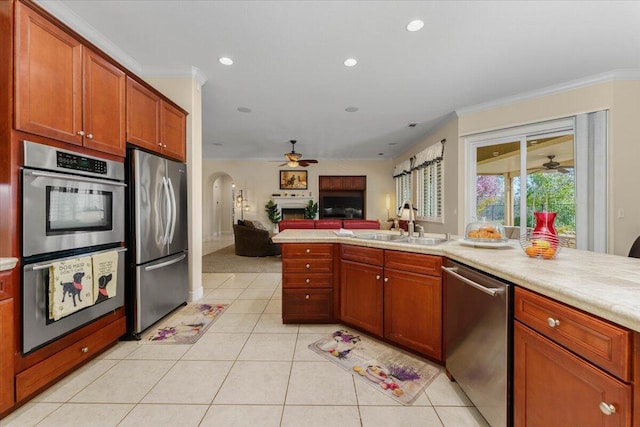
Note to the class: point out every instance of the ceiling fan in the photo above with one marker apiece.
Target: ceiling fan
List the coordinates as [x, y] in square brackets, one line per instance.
[293, 158]
[552, 165]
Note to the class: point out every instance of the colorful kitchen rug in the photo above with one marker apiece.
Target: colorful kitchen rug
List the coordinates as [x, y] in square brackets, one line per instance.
[398, 374]
[187, 325]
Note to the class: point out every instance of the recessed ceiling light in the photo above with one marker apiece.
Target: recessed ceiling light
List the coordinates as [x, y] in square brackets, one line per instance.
[380, 154]
[217, 144]
[415, 25]
[393, 143]
[351, 109]
[412, 124]
[244, 109]
[225, 61]
[350, 62]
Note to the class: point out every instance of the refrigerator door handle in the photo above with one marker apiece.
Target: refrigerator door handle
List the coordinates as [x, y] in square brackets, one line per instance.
[166, 263]
[167, 211]
[173, 211]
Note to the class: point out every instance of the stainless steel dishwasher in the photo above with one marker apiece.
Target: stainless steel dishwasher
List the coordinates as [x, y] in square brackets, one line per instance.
[478, 331]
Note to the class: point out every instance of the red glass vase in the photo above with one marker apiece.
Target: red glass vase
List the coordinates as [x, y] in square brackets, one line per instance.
[544, 227]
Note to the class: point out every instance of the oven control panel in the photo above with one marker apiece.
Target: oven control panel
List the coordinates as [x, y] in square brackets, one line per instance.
[82, 163]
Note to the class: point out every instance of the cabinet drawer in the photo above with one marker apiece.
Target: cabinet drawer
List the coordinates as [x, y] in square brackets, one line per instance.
[415, 263]
[307, 305]
[307, 266]
[602, 343]
[307, 250]
[40, 375]
[373, 256]
[307, 281]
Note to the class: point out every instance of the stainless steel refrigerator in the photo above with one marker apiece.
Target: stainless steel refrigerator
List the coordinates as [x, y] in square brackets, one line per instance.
[157, 231]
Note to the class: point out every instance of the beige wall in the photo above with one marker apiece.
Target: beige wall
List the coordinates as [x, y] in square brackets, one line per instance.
[260, 179]
[449, 131]
[186, 92]
[622, 99]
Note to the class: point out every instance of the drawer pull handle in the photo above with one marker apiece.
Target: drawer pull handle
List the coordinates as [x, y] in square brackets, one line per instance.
[308, 280]
[386, 279]
[377, 277]
[607, 409]
[553, 322]
[85, 349]
[308, 265]
[306, 296]
[308, 250]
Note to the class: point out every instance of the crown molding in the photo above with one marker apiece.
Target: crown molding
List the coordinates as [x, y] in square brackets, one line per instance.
[178, 72]
[609, 76]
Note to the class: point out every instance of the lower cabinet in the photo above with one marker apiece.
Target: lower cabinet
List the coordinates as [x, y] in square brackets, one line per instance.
[570, 368]
[6, 354]
[307, 305]
[361, 296]
[553, 387]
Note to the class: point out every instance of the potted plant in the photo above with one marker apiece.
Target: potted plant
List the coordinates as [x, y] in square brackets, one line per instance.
[311, 210]
[272, 212]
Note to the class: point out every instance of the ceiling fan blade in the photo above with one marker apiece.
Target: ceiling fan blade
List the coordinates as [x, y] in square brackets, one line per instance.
[284, 164]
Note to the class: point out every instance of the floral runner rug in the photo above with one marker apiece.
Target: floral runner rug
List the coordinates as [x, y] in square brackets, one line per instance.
[186, 325]
[398, 374]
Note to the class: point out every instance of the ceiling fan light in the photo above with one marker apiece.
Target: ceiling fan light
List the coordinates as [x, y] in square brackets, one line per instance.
[292, 164]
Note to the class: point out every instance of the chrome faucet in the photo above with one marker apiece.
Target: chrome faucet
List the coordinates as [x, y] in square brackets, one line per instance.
[412, 218]
[420, 230]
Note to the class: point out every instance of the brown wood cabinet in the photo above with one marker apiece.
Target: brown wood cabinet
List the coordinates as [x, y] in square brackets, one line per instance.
[338, 182]
[6, 354]
[556, 380]
[361, 293]
[64, 90]
[307, 283]
[153, 123]
[6, 284]
[413, 301]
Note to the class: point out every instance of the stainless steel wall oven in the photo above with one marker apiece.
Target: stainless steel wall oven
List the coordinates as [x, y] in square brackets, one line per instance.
[72, 207]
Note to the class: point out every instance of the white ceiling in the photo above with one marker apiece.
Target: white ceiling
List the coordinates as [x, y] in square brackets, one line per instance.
[289, 62]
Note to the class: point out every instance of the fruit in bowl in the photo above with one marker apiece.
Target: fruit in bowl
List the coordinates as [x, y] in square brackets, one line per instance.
[545, 247]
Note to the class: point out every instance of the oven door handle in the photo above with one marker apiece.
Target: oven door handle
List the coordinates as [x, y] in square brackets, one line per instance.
[37, 267]
[165, 264]
[74, 178]
[454, 272]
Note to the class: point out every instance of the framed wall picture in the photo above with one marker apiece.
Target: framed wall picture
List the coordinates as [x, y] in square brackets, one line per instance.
[293, 180]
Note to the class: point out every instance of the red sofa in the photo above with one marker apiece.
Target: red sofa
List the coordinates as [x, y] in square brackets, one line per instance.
[329, 224]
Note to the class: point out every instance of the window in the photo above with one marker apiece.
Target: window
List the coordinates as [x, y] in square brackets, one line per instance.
[402, 177]
[429, 192]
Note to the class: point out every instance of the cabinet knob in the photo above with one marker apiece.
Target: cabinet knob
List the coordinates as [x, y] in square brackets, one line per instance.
[306, 296]
[80, 133]
[308, 250]
[89, 136]
[607, 409]
[85, 349]
[386, 279]
[164, 145]
[377, 277]
[159, 144]
[308, 266]
[308, 280]
[553, 322]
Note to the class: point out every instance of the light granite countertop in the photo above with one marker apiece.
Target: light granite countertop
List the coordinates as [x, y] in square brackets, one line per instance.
[7, 263]
[605, 285]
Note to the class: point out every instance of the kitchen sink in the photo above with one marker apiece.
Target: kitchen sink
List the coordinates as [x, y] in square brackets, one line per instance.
[383, 237]
[427, 241]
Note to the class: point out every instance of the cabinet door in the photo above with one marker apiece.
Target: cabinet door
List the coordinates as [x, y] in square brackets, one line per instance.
[48, 79]
[330, 183]
[6, 354]
[553, 387]
[173, 128]
[361, 294]
[413, 311]
[143, 116]
[354, 182]
[6, 284]
[104, 105]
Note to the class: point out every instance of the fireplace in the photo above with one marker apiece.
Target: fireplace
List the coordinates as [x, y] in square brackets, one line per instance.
[292, 213]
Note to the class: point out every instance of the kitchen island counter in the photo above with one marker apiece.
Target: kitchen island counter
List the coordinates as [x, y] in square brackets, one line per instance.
[601, 284]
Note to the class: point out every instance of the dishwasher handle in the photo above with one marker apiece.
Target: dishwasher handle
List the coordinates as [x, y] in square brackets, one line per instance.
[454, 272]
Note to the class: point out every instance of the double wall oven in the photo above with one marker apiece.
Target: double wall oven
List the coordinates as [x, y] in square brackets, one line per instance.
[72, 207]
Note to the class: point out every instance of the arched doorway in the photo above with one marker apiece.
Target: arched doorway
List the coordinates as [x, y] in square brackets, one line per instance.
[217, 212]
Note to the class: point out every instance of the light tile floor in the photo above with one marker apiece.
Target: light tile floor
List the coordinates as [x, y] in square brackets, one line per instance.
[247, 370]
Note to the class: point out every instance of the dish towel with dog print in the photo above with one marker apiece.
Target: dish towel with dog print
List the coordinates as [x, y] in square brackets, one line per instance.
[105, 272]
[70, 287]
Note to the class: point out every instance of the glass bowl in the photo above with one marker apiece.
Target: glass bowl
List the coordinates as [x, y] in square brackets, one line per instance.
[485, 231]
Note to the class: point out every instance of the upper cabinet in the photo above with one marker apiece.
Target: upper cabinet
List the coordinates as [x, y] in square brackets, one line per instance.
[65, 91]
[153, 123]
[332, 182]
